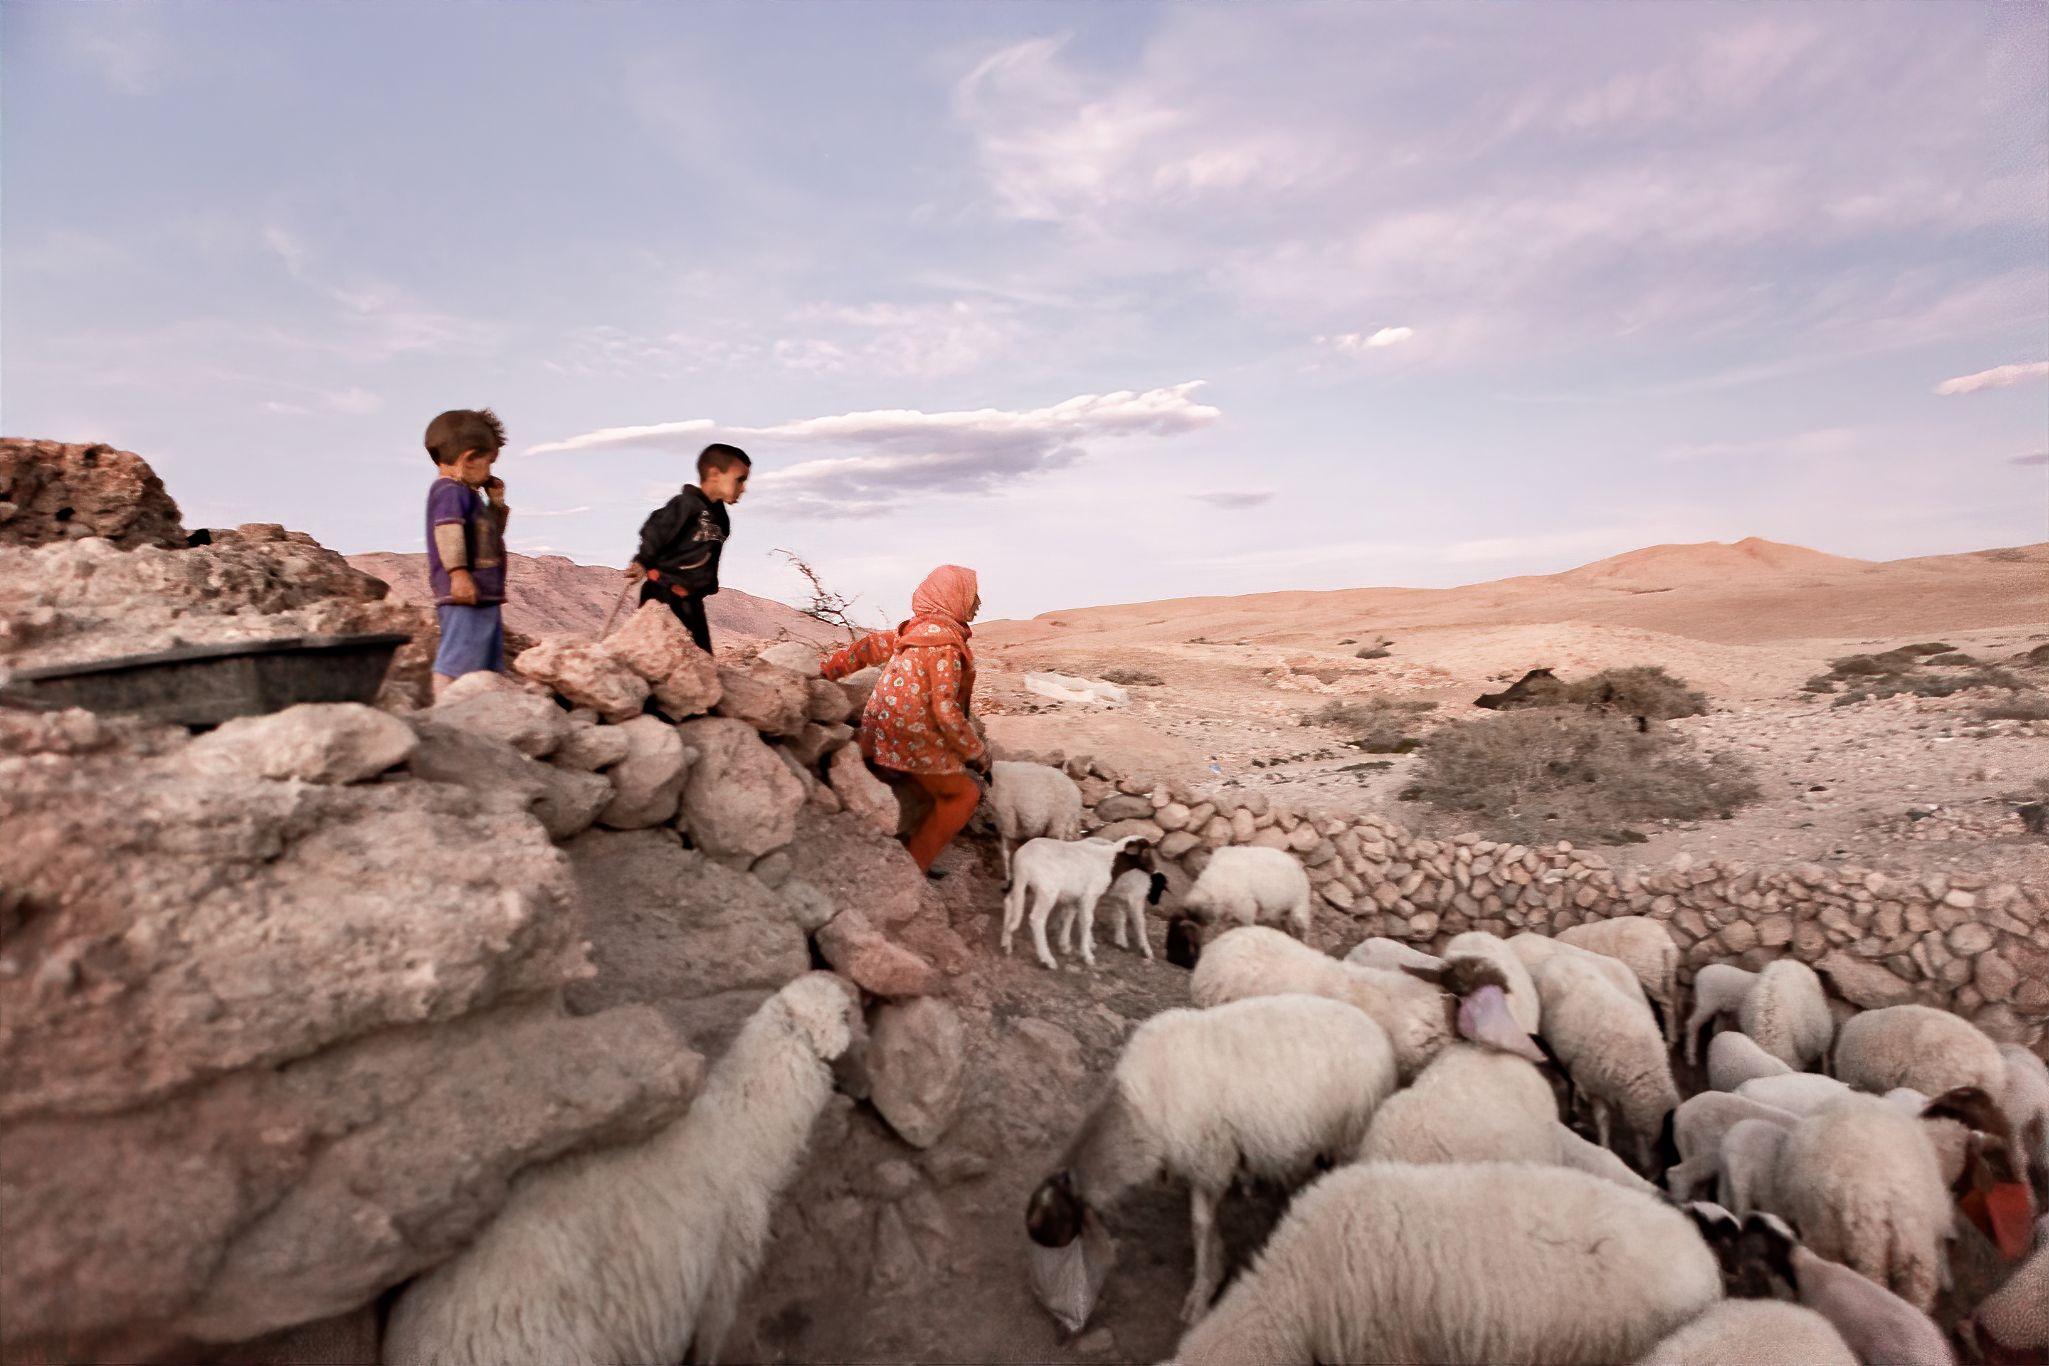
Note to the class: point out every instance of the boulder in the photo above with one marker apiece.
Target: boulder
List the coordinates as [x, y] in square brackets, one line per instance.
[589, 675]
[815, 741]
[668, 927]
[917, 1056]
[649, 780]
[794, 656]
[859, 687]
[1117, 830]
[861, 792]
[591, 747]
[314, 742]
[565, 801]
[62, 491]
[655, 645]
[529, 722]
[851, 863]
[739, 799]
[1123, 808]
[1865, 985]
[858, 951]
[827, 702]
[771, 700]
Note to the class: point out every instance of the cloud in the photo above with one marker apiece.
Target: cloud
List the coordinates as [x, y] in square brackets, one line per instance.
[352, 402]
[1250, 498]
[528, 513]
[122, 45]
[1368, 341]
[2037, 458]
[1824, 441]
[906, 453]
[1998, 377]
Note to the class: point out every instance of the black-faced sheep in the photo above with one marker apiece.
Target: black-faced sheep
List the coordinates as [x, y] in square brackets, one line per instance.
[1247, 884]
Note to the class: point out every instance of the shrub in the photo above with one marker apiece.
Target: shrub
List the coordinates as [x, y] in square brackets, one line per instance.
[1372, 652]
[1134, 678]
[1933, 647]
[2030, 706]
[1642, 690]
[2039, 655]
[1564, 773]
[1865, 666]
[1378, 725]
[1819, 683]
[1954, 658]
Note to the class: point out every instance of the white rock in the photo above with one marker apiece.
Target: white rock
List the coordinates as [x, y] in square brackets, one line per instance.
[650, 778]
[773, 701]
[315, 742]
[591, 747]
[529, 722]
[586, 674]
[739, 799]
[861, 792]
[655, 645]
[793, 655]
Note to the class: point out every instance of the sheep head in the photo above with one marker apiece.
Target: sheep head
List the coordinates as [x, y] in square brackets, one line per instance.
[1756, 1255]
[1478, 1000]
[1184, 943]
[827, 1013]
[1055, 1213]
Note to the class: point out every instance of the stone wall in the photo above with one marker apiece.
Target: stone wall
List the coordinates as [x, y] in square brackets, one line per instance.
[1883, 937]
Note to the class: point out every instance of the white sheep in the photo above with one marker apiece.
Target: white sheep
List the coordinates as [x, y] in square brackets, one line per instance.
[1535, 950]
[1610, 1046]
[1471, 1104]
[2025, 1099]
[1127, 900]
[1486, 1263]
[1265, 1088]
[1390, 955]
[1697, 1130]
[641, 1253]
[1070, 875]
[1582, 1156]
[1247, 884]
[1523, 1002]
[1647, 948]
[2015, 1317]
[1804, 1093]
[1787, 1014]
[1735, 1058]
[1749, 1158]
[1031, 801]
[1753, 1333]
[1919, 1046]
[1718, 992]
[1421, 1017]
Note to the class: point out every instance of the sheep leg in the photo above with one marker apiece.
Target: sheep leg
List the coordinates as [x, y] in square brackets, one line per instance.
[1041, 908]
[1703, 1016]
[715, 1316]
[1003, 843]
[1013, 911]
[1086, 914]
[1603, 1121]
[1117, 923]
[1209, 1254]
[1298, 919]
[1136, 911]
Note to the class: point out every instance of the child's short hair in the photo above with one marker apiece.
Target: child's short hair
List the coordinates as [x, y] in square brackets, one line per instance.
[721, 457]
[463, 429]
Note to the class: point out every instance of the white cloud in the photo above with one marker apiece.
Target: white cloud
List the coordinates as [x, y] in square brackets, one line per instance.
[2035, 458]
[1824, 441]
[907, 452]
[527, 513]
[1998, 377]
[122, 45]
[1367, 341]
[1248, 498]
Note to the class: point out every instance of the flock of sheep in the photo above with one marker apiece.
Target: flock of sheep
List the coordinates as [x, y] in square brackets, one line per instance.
[1426, 1106]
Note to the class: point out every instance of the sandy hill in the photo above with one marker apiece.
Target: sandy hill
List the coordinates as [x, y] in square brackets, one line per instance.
[553, 594]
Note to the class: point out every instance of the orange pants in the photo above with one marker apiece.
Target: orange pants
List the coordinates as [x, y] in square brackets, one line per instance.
[954, 799]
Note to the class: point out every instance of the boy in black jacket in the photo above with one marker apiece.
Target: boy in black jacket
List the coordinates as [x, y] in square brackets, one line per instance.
[678, 561]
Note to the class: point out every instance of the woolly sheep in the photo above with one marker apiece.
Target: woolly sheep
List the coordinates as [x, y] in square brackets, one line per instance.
[1787, 1014]
[1647, 948]
[1697, 1129]
[1522, 991]
[1072, 876]
[1804, 1093]
[1535, 950]
[2025, 1098]
[1491, 1262]
[1919, 1046]
[1419, 1016]
[1127, 900]
[641, 1253]
[1264, 1087]
[1753, 1333]
[1390, 955]
[1718, 992]
[1031, 801]
[1246, 884]
[1749, 1158]
[1582, 1156]
[1736, 1058]
[1471, 1104]
[2015, 1317]
[1611, 1048]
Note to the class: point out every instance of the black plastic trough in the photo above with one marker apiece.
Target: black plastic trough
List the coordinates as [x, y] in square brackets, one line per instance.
[204, 685]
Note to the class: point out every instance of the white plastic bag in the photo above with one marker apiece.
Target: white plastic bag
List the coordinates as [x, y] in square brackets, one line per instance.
[1067, 688]
[1067, 1281]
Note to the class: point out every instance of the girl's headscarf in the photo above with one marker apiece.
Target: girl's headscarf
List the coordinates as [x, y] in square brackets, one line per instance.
[948, 594]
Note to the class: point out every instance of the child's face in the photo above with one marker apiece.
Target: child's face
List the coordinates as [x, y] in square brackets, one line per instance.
[726, 485]
[473, 467]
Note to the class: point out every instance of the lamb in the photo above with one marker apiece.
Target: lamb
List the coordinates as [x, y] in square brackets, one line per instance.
[1535, 950]
[1128, 898]
[1246, 884]
[1718, 992]
[2025, 1099]
[1611, 1048]
[1032, 801]
[1418, 1015]
[1484, 1263]
[642, 1253]
[1787, 1014]
[1649, 951]
[1582, 1156]
[1749, 1157]
[1390, 955]
[1472, 1104]
[1736, 1058]
[2014, 1319]
[1919, 1046]
[1264, 1087]
[1753, 1333]
[1071, 875]
[1804, 1093]
[1522, 991]
[1697, 1129]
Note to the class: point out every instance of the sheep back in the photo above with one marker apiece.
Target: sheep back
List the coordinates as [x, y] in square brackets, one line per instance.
[1733, 1059]
[1471, 1104]
[1787, 1013]
[1641, 943]
[1250, 883]
[1753, 1333]
[1930, 1050]
[1030, 801]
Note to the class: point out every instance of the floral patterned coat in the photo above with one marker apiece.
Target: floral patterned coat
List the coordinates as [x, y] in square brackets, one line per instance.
[917, 717]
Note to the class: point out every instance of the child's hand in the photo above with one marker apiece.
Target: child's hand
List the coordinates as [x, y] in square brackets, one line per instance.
[462, 589]
[494, 489]
[635, 573]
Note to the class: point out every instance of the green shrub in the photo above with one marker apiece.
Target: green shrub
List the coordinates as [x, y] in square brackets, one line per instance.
[1641, 690]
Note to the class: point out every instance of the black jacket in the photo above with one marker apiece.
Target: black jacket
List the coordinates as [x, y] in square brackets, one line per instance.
[683, 539]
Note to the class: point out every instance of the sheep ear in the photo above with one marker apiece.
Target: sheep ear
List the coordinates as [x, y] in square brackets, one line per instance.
[1434, 976]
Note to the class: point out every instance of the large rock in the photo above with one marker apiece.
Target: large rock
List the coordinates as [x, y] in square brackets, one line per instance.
[587, 674]
[859, 687]
[671, 928]
[1865, 985]
[655, 645]
[859, 952]
[796, 656]
[529, 722]
[861, 792]
[591, 747]
[739, 799]
[854, 864]
[61, 491]
[773, 701]
[816, 741]
[314, 742]
[917, 1055]
[565, 801]
[650, 778]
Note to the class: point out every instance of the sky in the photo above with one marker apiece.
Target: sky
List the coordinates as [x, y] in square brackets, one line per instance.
[1111, 302]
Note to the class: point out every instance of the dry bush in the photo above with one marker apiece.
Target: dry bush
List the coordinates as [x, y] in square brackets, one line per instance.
[1641, 690]
[2024, 706]
[1133, 678]
[1565, 773]
[1372, 652]
[1378, 725]
[1952, 659]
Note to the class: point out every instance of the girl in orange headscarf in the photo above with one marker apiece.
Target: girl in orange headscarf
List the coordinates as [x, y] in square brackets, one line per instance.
[916, 722]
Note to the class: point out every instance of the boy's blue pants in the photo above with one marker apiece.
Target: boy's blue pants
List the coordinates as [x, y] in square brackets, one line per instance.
[472, 639]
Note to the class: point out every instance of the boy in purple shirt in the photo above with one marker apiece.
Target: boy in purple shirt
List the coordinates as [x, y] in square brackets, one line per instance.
[466, 543]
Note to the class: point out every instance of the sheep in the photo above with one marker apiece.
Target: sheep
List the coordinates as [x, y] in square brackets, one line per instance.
[1247, 884]
[2014, 1319]
[1611, 1048]
[1649, 951]
[1420, 1018]
[1919, 1046]
[1522, 991]
[1184, 943]
[1032, 801]
[1390, 955]
[1697, 1129]
[642, 1253]
[1736, 1058]
[1471, 1104]
[1128, 897]
[1267, 1087]
[1496, 1261]
[1804, 1093]
[1753, 1333]
[1748, 1158]
[1535, 950]
[1787, 1014]
[1580, 1155]
[1718, 992]
[2025, 1099]
[1071, 875]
